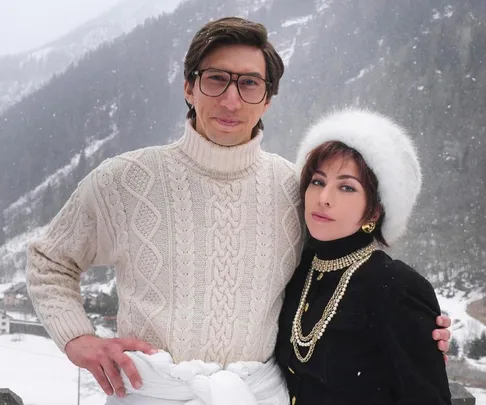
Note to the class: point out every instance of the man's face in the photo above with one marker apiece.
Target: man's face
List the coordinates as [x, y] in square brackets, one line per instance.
[227, 120]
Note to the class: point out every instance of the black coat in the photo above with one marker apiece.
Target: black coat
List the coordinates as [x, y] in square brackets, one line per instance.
[378, 348]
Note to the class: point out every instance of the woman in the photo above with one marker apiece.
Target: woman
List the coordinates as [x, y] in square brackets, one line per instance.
[355, 326]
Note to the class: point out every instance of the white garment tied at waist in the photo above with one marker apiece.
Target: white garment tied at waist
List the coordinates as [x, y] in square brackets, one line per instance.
[198, 383]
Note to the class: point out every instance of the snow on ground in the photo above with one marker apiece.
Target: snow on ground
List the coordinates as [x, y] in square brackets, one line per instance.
[480, 395]
[35, 369]
[323, 5]
[104, 332]
[448, 13]
[59, 175]
[478, 364]
[40, 54]
[361, 73]
[22, 316]
[464, 327]
[173, 72]
[12, 253]
[99, 287]
[287, 52]
[3, 288]
[297, 21]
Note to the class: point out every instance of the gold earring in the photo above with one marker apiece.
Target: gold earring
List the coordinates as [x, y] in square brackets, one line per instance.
[369, 227]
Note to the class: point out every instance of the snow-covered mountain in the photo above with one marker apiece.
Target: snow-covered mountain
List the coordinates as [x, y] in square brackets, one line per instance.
[409, 61]
[12, 253]
[23, 73]
[421, 63]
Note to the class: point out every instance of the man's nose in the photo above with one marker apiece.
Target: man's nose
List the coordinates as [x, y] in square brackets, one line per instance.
[231, 97]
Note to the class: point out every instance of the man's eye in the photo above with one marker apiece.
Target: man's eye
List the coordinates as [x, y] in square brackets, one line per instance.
[218, 78]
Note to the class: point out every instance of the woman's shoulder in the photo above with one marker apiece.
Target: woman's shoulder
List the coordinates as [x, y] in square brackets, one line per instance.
[398, 277]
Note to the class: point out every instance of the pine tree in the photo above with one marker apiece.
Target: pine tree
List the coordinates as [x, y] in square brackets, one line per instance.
[454, 348]
[477, 348]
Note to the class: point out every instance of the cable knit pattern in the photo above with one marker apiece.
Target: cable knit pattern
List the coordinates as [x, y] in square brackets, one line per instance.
[292, 225]
[264, 259]
[203, 239]
[56, 296]
[138, 179]
[225, 219]
[109, 201]
[185, 257]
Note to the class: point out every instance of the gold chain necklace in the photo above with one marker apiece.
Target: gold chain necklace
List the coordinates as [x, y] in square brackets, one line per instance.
[354, 261]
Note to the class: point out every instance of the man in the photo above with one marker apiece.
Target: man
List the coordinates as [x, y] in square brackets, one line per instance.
[204, 233]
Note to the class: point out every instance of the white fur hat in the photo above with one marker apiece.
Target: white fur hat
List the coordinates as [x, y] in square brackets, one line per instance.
[388, 151]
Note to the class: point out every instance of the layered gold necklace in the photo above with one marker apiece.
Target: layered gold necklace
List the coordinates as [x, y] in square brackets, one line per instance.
[353, 261]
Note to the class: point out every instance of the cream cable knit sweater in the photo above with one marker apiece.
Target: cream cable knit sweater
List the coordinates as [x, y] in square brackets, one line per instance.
[203, 238]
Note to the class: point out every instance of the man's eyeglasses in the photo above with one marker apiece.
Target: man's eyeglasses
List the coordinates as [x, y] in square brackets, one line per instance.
[214, 82]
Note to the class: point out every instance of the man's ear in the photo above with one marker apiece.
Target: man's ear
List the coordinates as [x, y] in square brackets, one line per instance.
[268, 101]
[189, 92]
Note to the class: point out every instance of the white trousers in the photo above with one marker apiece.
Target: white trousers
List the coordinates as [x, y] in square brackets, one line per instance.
[198, 383]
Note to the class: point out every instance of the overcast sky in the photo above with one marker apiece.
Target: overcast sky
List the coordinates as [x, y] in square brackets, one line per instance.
[27, 24]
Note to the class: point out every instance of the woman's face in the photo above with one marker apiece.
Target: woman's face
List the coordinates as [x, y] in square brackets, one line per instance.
[335, 200]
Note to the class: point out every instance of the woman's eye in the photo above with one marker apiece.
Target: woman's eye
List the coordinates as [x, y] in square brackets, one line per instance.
[348, 189]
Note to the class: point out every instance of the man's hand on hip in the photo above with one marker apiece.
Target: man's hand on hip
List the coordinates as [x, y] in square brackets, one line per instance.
[104, 358]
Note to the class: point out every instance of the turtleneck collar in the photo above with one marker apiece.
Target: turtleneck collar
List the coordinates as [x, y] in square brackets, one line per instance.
[217, 158]
[335, 249]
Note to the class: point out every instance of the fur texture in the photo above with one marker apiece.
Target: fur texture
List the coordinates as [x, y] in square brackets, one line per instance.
[387, 150]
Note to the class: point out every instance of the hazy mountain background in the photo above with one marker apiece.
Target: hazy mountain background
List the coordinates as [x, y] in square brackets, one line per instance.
[421, 62]
[115, 84]
[23, 73]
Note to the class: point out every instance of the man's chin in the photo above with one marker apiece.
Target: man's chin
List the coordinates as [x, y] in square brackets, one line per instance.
[226, 139]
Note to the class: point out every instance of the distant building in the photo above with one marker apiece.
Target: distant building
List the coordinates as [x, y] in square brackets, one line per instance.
[16, 297]
[109, 322]
[27, 328]
[10, 325]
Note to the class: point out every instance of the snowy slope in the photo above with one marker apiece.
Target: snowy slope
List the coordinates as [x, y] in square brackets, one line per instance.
[4, 287]
[35, 369]
[12, 257]
[22, 74]
[480, 395]
[464, 327]
[53, 380]
[12, 253]
[24, 203]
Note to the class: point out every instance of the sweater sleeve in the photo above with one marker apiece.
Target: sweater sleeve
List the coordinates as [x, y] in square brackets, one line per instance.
[418, 367]
[75, 239]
